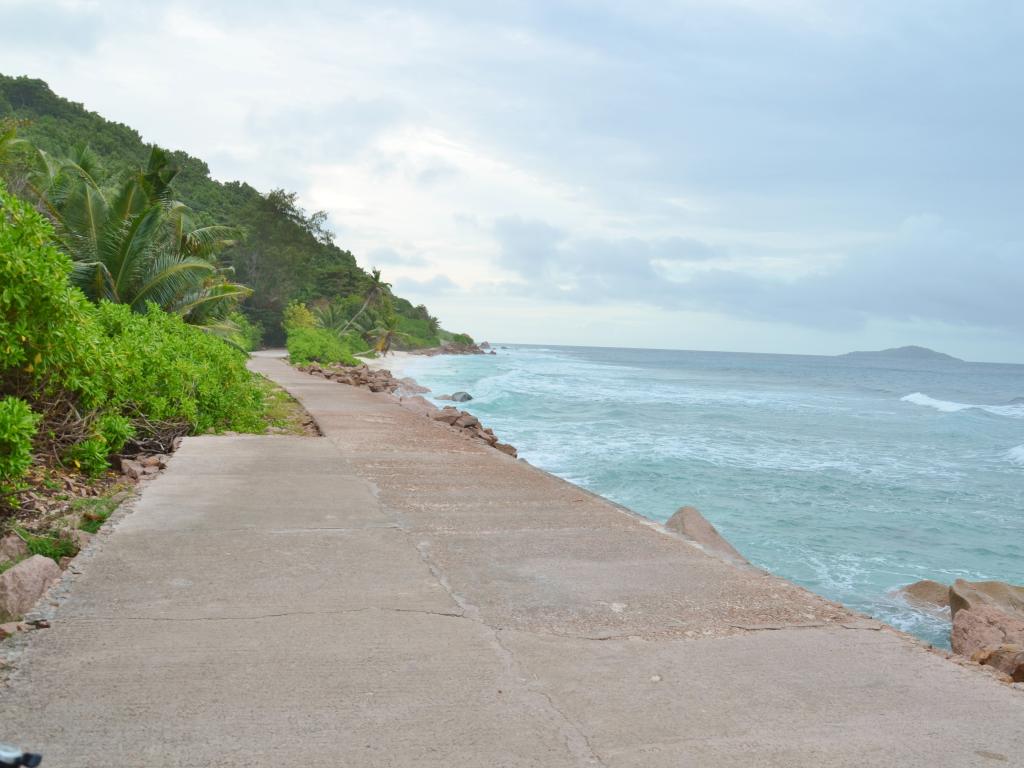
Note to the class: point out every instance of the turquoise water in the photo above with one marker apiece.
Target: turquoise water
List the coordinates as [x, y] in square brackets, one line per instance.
[849, 477]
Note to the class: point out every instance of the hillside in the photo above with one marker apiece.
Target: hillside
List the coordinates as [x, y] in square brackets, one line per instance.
[286, 254]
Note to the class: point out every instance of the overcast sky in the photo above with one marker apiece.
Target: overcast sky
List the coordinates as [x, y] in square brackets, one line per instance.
[762, 175]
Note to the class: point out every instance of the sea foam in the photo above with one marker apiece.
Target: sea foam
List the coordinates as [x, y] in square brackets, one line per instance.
[1015, 411]
[1016, 455]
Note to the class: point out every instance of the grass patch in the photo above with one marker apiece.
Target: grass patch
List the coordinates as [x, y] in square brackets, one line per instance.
[53, 547]
[282, 413]
[94, 512]
[8, 564]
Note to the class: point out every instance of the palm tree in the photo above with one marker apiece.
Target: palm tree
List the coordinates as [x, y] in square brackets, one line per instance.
[135, 244]
[386, 333]
[376, 290]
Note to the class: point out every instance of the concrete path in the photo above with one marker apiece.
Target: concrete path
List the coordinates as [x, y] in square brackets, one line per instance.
[394, 594]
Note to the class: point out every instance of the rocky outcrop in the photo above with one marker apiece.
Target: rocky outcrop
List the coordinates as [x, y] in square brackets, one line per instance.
[461, 397]
[691, 524]
[928, 595]
[357, 376]
[449, 349]
[969, 595]
[988, 624]
[23, 584]
[985, 628]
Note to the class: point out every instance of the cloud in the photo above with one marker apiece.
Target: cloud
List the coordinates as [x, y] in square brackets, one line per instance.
[391, 257]
[925, 270]
[416, 290]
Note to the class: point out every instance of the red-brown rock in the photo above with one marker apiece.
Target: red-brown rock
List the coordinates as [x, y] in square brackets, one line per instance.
[984, 628]
[694, 526]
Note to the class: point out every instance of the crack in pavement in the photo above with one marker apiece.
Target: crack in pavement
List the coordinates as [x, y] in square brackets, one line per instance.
[258, 617]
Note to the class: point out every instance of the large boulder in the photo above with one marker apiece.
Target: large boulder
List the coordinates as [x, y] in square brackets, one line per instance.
[929, 595]
[969, 595]
[448, 415]
[467, 420]
[22, 585]
[12, 548]
[691, 524]
[461, 397]
[984, 628]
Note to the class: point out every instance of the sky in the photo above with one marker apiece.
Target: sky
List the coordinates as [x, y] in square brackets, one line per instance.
[750, 175]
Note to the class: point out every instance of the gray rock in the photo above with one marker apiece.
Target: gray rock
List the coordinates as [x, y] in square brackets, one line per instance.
[22, 585]
[461, 397]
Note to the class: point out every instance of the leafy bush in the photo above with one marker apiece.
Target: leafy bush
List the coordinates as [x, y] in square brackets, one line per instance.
[307, 345]
[101, 375]
[298, 315]
[461, 338]
[17, 428]
[247, 334]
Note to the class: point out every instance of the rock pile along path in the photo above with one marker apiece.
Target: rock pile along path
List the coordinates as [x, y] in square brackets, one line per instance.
[395, 594]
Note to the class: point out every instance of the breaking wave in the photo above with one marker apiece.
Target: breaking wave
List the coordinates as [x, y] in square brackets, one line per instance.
[1014, 411]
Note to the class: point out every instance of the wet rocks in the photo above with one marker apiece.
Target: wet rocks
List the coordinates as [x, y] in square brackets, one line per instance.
[691, 524]
[927, 595]
[461, 397]
[449, 415]
[23, 584]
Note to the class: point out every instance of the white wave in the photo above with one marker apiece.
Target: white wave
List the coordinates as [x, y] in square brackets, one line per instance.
[1016, 455]
[1015, 411]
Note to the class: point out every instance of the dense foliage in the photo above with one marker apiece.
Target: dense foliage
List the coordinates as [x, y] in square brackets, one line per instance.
[282, 253]
[80, 380]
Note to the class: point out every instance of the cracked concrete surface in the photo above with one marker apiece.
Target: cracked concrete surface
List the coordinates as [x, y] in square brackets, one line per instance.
[393, 594]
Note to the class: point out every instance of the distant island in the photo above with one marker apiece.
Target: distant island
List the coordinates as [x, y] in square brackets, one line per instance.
[904, 353]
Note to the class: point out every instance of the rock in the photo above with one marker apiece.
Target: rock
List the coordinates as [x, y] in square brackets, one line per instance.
[461, 397]
[22, 585]
[485, 345]
[968, 595]
[505, 448]
[12, 627]
[443, 397]
[927, 594]
[984, 628]
[132, 469]
[12, 548]
[1008, 659]
[694, 526]
[65, 562]
[467, 420]
[448, 415]
[492, 352]
[79, 537]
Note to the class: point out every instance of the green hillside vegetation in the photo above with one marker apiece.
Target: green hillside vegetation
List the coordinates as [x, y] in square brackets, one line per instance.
[280, 252]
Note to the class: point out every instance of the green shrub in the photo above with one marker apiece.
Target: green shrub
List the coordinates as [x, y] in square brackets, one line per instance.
[298, 315]
[54, 547]
[17, 428]
[247, 334]
[100, 375]
[308, 345]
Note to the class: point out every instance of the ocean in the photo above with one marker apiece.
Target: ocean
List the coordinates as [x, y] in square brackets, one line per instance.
[849, 476]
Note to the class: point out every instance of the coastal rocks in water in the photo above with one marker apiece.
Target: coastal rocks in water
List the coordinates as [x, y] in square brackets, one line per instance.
[22, 585]
[505, 448]
[969, 595]
[461, 397]
[692, 525]
[12, 548]
[931, 596]
[485, 345]
[984, 628]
